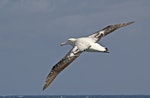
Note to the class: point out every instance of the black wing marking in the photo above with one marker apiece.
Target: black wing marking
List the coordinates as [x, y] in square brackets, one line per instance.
[63, 63]
[101, 33]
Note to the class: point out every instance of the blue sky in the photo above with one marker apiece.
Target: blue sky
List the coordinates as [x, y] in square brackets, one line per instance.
[31, 32]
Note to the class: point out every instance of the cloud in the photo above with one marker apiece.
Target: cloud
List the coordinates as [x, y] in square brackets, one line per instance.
[27, 5]
[3, 3]
[36, 5]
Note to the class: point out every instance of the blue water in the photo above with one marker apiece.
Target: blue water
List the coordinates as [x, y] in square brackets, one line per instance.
[81, 96]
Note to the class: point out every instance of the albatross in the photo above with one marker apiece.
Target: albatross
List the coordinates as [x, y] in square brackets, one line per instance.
[80, 45]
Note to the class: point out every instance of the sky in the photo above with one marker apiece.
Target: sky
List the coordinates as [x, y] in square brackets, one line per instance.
[31, 32]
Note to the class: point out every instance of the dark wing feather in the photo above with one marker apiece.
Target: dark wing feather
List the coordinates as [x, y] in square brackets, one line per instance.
[101, 33]
[63, 63]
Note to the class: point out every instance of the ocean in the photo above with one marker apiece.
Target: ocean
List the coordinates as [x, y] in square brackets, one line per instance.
[80, 96]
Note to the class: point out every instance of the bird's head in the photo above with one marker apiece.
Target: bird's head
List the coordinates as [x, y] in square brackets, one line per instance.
[70, 41]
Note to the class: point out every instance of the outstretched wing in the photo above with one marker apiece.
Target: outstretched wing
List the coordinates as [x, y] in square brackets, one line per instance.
[101, 33]
[63, 63]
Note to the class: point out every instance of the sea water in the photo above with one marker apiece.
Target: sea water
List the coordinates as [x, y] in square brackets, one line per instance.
[80, 96]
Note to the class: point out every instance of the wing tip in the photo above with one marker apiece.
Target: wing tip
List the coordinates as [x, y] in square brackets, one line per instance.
[130, 22]
[44, 87]
[125, 24]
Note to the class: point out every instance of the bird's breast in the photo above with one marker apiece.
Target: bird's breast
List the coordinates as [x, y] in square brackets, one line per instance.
[82, 44]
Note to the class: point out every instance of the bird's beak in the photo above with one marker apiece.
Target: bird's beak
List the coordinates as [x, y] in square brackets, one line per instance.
[64, 43]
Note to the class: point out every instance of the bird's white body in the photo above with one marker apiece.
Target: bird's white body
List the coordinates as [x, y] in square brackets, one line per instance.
[86, 44]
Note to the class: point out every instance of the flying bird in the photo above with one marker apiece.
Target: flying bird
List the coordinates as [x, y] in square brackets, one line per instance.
[82, 44]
